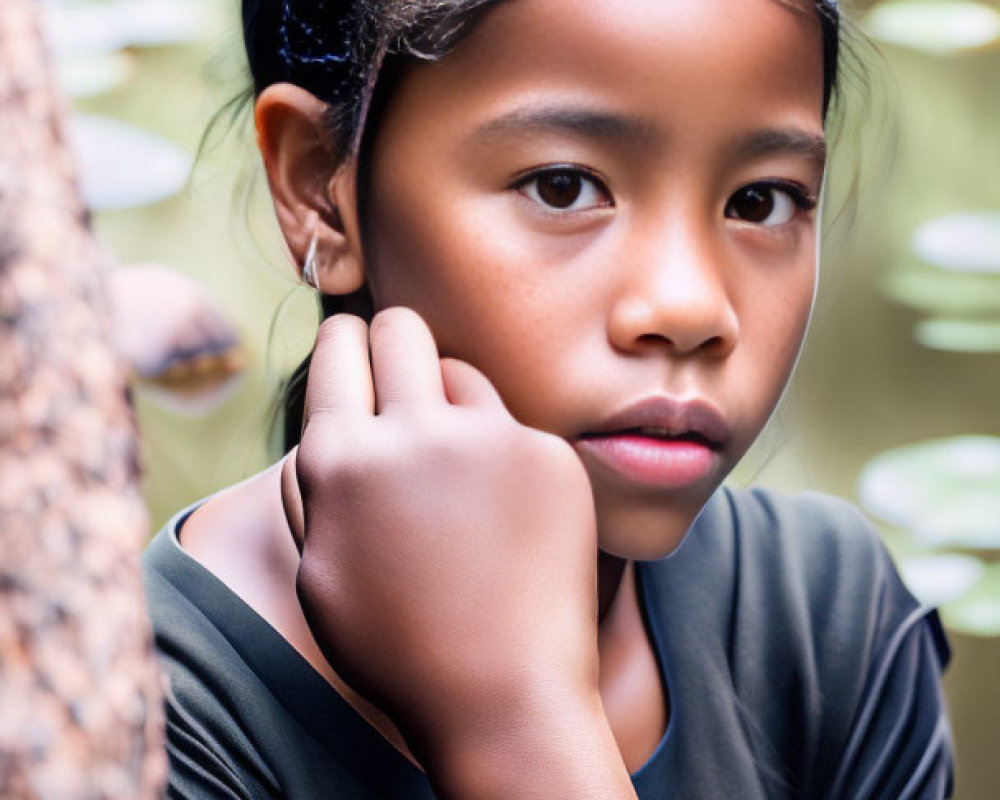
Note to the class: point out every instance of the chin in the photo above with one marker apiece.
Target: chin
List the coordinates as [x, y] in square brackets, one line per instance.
[645, 532]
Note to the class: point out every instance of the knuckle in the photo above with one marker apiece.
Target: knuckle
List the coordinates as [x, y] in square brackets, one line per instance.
[550, 453]
[340, 460]
[441, 447]
[314, 585]
[319, 458]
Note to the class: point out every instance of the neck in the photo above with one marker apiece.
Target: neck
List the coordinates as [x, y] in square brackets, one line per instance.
[610, 572]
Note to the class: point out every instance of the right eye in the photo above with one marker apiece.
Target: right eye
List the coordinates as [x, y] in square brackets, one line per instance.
[565, 189]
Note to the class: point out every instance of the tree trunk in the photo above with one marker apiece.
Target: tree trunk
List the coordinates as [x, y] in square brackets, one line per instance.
[80, 692]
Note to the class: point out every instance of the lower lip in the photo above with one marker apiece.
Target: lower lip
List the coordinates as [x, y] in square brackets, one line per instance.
[655, 462]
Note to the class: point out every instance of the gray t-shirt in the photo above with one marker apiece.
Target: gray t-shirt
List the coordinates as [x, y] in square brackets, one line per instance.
[795, 662]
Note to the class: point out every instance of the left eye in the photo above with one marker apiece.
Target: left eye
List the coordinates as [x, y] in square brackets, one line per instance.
[766, 204]
[565, 190]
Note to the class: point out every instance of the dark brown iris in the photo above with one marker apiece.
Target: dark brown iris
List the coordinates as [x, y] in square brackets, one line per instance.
[559, 189]
[752, 204]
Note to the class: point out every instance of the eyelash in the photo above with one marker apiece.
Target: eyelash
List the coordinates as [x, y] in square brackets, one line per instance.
[522, 184]
[803, 201]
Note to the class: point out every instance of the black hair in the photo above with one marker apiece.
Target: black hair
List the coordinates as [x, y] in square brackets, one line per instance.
[342, 50]
[351, 53]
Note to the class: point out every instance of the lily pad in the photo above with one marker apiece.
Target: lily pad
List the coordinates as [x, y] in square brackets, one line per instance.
[967, 242]
[185, 354]
[939, 578]
[978, 612]
[940, 27]
[960, 336]
[122, 166]
[100, 27]
[941, 292]
[158, 23]
[945, 492]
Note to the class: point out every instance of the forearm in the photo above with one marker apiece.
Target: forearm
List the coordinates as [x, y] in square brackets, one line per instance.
[552, 753]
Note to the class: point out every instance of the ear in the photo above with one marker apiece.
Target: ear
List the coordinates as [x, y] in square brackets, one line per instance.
[313, 192]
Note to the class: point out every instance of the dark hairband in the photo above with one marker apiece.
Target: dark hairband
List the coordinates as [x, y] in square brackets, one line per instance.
[314, 48]
[310, 42]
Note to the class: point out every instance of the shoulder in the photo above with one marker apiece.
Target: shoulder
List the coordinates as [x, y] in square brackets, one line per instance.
[813, 565]
[247, 715]
[209, 751]
[799, 586]
[822, 617]
[239, 534]
[796, 567]
[814, 548]
[803, 525]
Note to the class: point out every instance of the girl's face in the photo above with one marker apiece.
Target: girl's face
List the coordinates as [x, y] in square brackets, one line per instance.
[607, 208]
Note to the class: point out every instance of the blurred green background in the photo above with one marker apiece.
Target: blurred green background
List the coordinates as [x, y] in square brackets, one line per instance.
[894, 404]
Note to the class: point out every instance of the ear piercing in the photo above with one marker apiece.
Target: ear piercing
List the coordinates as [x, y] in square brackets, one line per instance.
[309, 276]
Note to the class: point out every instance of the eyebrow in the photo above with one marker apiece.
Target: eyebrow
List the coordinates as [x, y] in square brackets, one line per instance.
[578, 121]
[618, 128]
[783, 141]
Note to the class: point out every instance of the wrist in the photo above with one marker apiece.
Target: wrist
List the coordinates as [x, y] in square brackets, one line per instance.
[548, 747]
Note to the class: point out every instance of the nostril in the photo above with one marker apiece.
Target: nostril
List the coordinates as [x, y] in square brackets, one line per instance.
[713, 345]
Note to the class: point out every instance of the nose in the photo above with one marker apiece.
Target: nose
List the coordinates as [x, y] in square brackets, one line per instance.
[675, 295]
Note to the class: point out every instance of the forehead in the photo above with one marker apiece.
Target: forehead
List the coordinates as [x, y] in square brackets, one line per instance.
[680, 65]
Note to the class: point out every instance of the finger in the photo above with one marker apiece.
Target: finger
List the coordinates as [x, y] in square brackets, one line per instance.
[464, 385]
[405, 363]
[291, 500]
[340, 377]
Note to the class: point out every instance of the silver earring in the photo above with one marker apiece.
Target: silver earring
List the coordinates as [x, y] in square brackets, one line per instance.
[309, 275]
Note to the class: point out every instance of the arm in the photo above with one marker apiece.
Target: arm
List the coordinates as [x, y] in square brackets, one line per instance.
[449, 566]
[566, 752]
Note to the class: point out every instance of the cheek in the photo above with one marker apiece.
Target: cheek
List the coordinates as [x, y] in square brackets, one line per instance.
[420, 256]
[772, 331]
[485, 293]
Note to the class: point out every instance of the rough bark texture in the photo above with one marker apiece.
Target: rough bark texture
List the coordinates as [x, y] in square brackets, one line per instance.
[80, 694]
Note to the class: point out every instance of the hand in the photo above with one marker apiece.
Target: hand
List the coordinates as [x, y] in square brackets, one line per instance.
[449, 553]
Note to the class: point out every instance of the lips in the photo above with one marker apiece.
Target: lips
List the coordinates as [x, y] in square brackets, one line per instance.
[665, 418]
[659, 442]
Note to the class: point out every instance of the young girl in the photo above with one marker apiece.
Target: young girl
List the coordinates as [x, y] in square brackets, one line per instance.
[500, 563]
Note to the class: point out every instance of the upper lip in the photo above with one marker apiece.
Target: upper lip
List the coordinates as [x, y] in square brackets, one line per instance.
[696, 418]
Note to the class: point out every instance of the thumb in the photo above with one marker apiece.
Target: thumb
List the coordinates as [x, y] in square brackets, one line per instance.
[464, 385]
[291, 499]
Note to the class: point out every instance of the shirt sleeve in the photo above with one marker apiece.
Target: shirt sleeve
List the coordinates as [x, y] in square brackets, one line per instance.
[900, 743]
[208, 748]
[197, 772]
[842, 664]
[898, 740]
